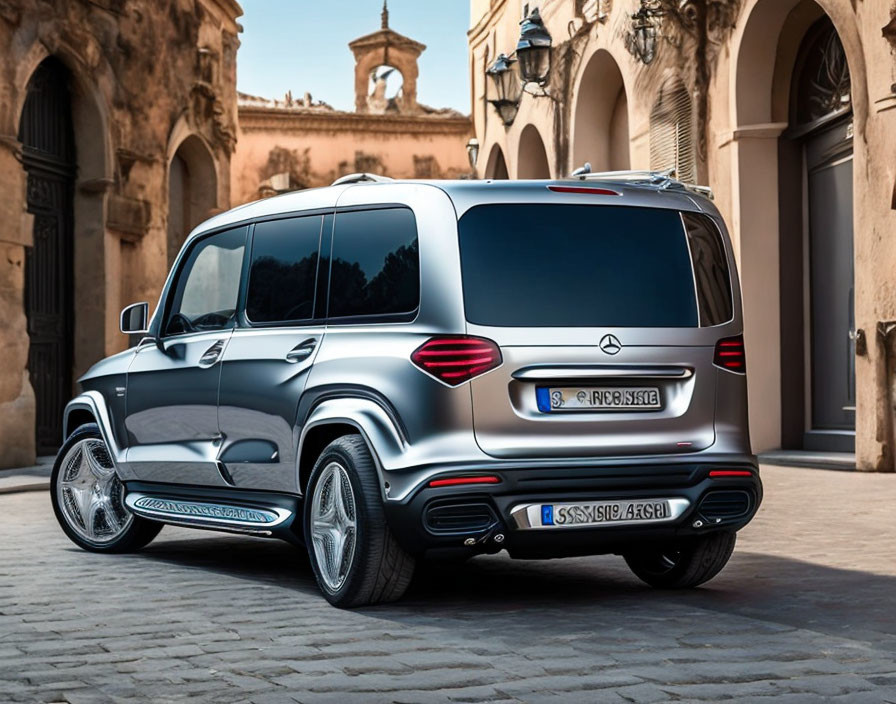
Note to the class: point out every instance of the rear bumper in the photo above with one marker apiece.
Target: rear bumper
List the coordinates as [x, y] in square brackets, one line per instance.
[468, 520]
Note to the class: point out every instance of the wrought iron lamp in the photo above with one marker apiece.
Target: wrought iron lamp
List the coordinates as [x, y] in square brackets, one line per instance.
[642, 38]
[507, 88]
[534, 49]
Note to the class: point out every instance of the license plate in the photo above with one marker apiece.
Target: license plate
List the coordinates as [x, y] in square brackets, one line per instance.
[599, 398]
[598, 513]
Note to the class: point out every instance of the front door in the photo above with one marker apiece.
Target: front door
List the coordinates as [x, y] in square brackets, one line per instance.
[172, 384]
[268, 359]
[49, 160]
[829, 167]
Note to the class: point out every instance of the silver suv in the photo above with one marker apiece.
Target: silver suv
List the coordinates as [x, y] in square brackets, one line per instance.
[386, 371]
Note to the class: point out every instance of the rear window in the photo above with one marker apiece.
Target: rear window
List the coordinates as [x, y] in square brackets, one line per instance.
[536, 265]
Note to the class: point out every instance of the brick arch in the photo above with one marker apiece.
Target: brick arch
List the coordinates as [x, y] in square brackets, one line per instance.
[405, 62]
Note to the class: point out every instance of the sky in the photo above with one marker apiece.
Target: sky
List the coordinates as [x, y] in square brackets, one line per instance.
[302, 45]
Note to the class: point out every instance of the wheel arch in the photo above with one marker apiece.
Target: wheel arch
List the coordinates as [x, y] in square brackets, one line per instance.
[335, 417]
[90, 407]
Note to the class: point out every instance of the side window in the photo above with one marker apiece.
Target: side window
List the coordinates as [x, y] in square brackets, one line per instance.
[283, 270]
[375, 268]
[205, 291]
[710, 270]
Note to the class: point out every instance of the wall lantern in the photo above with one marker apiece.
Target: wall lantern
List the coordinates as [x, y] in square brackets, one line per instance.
[473, 152]
[534, 49]
[642, 38]
[507, 88]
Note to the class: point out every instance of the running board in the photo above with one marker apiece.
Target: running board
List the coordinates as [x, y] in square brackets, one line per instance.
[198, 513]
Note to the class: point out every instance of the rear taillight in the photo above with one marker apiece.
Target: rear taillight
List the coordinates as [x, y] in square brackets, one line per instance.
[457, 359]
[730, 354]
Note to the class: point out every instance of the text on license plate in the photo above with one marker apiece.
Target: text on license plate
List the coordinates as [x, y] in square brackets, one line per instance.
[604, 512]
[621, 398]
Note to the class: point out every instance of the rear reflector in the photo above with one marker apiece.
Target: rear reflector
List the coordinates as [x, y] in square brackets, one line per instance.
[459, 481]
[457, 359]
[730, 354]
[730, 473]
[584, 190]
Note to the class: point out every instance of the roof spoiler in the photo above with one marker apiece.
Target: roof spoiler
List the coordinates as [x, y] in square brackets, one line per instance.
[661, 180]
[361, 178]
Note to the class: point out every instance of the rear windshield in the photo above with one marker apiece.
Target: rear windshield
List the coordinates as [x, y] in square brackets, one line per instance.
[537, 265]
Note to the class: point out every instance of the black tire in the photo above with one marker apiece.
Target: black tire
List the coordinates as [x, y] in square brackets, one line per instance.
[380, 570]
[137, 535]
[683, 565]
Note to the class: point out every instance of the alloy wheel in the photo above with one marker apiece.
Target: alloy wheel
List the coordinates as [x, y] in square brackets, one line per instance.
[334, 525]
[90, 493]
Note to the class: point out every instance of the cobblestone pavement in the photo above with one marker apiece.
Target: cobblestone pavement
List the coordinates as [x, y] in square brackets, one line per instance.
[805, 611]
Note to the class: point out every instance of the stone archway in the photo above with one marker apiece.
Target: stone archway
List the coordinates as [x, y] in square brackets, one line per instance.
[773, 236]
[496, 166]
[600, 126]
[192, 191]
[532, 158]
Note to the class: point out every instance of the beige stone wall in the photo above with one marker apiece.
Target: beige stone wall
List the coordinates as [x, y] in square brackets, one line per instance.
[317, 146]
[739, 82]
[144, 75]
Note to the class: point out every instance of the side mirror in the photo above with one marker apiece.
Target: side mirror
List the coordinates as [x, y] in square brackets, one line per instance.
[134, 319]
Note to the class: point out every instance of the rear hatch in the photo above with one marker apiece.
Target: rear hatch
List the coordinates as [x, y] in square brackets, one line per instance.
[598, 315]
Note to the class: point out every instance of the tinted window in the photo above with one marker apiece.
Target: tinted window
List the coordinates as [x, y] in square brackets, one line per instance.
[375, 268]
[205, 291]
[710, 269]
[283, 270]
[576, 266]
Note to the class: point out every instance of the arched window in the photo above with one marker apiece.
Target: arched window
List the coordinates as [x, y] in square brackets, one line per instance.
[672, 132]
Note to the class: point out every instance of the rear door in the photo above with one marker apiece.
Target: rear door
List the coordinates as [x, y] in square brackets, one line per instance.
[266, 365]
[598, 315]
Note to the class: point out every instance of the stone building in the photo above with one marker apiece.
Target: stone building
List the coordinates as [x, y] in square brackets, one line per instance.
[117, 125]
[289, 144]
[784, 108]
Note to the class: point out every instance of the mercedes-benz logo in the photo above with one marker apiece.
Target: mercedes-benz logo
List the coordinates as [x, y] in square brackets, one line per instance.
[610, 344]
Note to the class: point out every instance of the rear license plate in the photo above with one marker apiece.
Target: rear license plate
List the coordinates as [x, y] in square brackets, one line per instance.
[602, 398]
[598, 513]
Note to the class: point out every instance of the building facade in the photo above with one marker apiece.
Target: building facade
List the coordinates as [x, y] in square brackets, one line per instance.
[785, 108]
[117, 125]
[291, 143]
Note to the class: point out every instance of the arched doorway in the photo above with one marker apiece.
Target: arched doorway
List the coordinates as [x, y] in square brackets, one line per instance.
[192, 191]
[792, 200]
[496, 167]
[532, 161]
[48, 155]
[600, 128]
[817, 154]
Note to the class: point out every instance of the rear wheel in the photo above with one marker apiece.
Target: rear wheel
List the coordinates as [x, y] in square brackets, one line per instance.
[355, 557]
[88, 497]
[684, 564]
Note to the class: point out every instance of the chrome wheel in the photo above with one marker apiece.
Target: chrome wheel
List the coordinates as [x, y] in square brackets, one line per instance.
[90, 494]
[333, 525]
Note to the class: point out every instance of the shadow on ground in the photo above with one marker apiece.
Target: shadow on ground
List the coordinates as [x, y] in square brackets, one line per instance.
[838, 602]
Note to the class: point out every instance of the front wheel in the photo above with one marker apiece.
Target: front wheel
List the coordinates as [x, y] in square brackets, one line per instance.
[355, 557]
[685, 564]
[88, 497]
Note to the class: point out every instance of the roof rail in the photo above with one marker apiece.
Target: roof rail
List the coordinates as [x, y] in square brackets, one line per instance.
[361, 178]
[662, 180]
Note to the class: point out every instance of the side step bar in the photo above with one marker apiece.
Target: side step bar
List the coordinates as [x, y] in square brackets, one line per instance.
[211, 514]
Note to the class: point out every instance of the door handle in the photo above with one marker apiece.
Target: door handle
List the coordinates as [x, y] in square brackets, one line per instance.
[211, 355]
[301, 351]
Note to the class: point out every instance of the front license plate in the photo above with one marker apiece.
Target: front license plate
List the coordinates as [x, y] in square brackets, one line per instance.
[598, 513]
[603, 398]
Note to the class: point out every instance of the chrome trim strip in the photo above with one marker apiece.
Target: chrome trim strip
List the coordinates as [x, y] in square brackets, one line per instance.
[205, 513]
[528, 516]
[601, 372]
